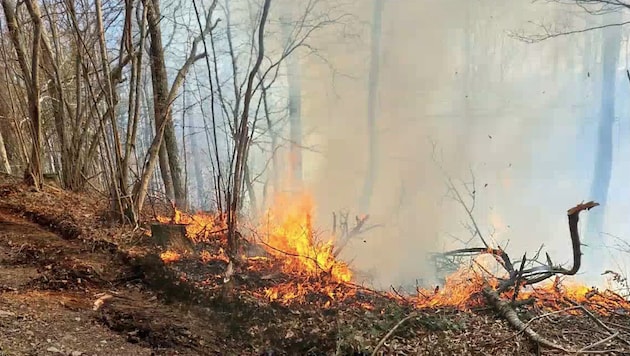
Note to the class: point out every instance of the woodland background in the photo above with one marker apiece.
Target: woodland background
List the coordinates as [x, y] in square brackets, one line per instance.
[219, 105]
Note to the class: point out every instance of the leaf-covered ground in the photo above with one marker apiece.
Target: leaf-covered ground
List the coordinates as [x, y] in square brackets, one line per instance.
[59, 254]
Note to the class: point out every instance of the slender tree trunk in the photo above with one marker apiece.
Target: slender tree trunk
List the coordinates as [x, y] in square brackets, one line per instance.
[4, 158]
[375, 66]
[604, 157]
[169, 152]
[273, 136]
[34, 169]
[295, 114]
[242, 142]
[251, 193]
[163, 97]
[197, 170]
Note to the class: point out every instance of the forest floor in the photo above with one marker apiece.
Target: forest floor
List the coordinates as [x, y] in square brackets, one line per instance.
[73, 284]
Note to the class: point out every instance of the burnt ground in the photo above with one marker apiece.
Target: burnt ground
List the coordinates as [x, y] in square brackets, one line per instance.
[59, 255]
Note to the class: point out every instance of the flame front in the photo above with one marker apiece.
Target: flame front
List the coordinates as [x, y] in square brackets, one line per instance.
[316, 275]
[290, 236]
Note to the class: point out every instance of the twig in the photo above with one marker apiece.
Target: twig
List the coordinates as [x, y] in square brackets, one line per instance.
[391, 331]
[602, 341]
[519, 276]
[597, 320]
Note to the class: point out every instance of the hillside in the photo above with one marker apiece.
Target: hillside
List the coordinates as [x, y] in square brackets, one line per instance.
[72, 283]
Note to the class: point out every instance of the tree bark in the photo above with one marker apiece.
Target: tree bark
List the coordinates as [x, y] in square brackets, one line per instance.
[375, 66]
[4, 158]
[33, 174]
[169, 152]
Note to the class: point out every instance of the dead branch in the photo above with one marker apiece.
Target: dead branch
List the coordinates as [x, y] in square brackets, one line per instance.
[518, 281]
[505, 259]
[505, 310]
[538, 274]
[535, 275]
[548, 34]
[602, 341]
[348, 235]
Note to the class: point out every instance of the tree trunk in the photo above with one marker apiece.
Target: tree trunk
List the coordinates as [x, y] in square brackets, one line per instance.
[604, 156]
[4, 158]
[197, 170]
[169, 152]
[375, 66]
[163, 97]
[295, 114]
[251, 194]
[242, 143]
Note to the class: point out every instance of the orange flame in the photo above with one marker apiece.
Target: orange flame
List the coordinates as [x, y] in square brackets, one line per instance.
[170, 256]
[289, 230]
[461, 288]
[199, 227]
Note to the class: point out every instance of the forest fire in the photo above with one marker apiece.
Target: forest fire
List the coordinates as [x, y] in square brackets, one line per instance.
[312, 274]
[289, 232]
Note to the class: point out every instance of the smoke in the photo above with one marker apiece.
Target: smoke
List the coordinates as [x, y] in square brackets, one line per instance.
[458, 91]
[459, 97]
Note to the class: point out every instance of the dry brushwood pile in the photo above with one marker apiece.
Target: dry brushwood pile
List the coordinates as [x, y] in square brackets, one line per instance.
[73, 284]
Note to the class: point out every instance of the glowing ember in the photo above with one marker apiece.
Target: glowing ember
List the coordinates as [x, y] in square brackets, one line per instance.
[288, 227]
[170, 256]
[199, 226]
[461, 289]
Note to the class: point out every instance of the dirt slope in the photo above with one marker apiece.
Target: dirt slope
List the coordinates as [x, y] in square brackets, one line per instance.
[47, 288]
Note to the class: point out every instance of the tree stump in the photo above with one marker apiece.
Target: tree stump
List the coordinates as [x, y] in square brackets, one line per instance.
[171, 237]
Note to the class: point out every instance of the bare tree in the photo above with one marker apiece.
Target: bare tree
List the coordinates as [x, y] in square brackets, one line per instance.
[4, 159]
[164, 98]
[242, 143]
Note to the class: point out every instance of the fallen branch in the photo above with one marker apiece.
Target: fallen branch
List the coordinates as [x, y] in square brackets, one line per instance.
[540, 273]
[505, 310]
[535, 275]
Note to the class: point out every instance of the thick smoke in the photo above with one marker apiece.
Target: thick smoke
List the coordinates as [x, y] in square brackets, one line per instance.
[457, 89]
